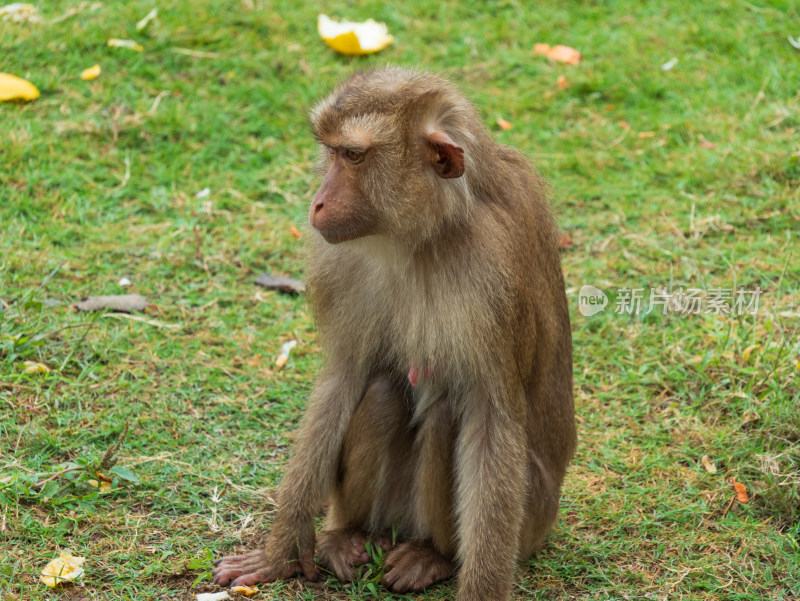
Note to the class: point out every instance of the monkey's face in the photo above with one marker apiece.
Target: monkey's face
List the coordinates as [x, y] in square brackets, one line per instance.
[384, 159]
[341, 209]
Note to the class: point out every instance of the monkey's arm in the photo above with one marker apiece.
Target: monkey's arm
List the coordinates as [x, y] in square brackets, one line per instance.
[491, 460]
[309, 477]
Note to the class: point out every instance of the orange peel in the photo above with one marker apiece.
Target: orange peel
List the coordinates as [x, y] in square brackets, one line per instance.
[353, 39]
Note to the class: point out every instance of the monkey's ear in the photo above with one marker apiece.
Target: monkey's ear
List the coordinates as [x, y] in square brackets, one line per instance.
[447, 157]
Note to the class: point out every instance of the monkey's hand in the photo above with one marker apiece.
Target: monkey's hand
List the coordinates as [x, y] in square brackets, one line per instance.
[267, 565]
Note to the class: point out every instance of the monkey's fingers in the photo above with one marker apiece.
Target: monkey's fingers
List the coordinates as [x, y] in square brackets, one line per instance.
[414, 567]
[383, 542]
[251, 565]
[343, 550]
[308, 566]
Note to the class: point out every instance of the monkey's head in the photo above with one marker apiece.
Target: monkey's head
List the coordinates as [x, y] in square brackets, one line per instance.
[394, 155]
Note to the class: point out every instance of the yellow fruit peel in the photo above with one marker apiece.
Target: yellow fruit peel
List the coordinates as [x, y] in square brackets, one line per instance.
[16, 88]
[354, 39]
[65, 568]
[103, 486]
[32, 368]
[244, 590]
[90, 73]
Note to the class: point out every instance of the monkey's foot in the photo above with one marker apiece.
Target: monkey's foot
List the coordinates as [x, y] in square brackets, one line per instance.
[345, 549]
[413, 566]
[255, 566]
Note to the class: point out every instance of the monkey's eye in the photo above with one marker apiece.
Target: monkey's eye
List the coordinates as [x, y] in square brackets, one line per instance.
[353, 156]
[331, 150]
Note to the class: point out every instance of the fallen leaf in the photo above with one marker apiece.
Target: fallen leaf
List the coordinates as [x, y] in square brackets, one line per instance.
[504, 124]
[32, 367]
[16, 88]
[127, 303]
[277, 282]
[624, 125]
[708, 465]
[646, 134]
[117, 43]
[103, 486]
[65, 568]
[20, 12]
[244, 590]
[295, 232]
[564, 240]
[559, 53]
[741, 491]
[284, 355]
[705, 143]
[90, 73]
[749, 351]
[353, 38]
[561, 82]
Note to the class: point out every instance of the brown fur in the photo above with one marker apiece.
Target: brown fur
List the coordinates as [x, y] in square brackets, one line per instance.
[457, 277]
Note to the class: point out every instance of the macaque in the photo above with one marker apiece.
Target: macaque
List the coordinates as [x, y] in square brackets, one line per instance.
[442, 423]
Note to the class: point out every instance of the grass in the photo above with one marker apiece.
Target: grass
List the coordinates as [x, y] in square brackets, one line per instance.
[688, 177]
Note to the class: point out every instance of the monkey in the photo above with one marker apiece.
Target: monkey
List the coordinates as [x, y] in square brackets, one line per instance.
[442, 423]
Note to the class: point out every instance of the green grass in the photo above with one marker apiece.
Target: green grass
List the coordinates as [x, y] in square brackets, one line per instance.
[98, 180]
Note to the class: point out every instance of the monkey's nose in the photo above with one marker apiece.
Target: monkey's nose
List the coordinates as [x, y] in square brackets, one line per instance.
[317, 207]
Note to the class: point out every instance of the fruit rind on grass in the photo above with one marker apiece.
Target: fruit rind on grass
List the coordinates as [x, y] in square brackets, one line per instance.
[353, 39]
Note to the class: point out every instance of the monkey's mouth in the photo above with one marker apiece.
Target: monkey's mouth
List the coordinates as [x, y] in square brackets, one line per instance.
[337, 235]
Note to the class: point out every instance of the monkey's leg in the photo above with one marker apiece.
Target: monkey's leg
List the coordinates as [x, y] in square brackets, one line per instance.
[310, 476]
[373, 485]
[491, 476]
[427, 558]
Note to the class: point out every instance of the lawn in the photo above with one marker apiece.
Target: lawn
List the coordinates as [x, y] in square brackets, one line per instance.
[663, 179]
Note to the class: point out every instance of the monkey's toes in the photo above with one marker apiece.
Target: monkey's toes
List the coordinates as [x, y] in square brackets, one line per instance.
[414, 566]
[251, 568]
[343, 550]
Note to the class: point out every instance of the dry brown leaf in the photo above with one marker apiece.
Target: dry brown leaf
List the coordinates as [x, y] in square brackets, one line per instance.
[706, 143]
[559, 53]
[504, 124]
[278, 282]
[741, 491]
[126, 303]
[295, 232]
[749, 351]
[708, 464]
[564, 240]
[562, 82]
